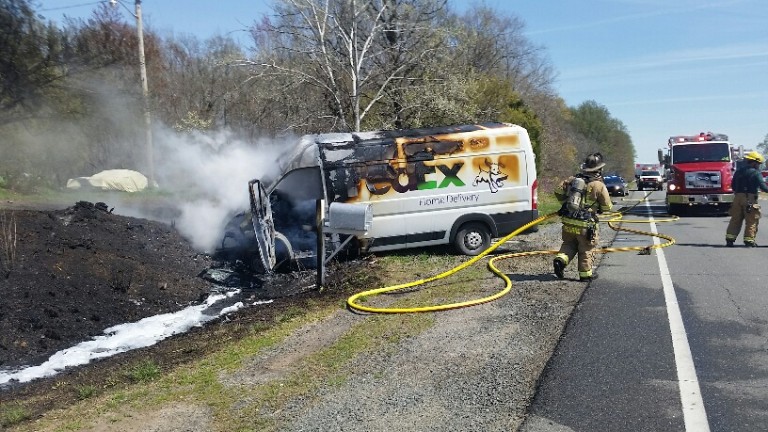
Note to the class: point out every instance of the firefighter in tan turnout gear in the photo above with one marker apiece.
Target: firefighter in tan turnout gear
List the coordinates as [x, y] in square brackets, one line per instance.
[583, 196]
[745, 209]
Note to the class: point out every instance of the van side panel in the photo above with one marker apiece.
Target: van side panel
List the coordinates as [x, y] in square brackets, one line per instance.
[420, 186]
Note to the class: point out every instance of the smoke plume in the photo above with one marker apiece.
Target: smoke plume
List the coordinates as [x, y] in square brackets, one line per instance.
[207, 174]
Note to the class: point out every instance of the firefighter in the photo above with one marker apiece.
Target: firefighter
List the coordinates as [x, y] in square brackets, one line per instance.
[745, 209]
[582, 197]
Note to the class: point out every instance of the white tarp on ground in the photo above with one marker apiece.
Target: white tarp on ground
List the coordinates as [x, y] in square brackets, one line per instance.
[114, 180]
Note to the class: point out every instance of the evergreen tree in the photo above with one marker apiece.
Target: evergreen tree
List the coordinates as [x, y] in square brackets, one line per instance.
[29, 61]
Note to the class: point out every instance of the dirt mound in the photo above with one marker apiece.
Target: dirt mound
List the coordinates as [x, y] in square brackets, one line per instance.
[67, 275]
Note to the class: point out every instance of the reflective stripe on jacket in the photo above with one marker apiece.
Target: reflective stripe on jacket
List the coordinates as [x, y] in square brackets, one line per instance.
[577, 222]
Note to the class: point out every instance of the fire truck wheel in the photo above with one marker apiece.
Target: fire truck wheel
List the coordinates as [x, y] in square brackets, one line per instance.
[472, 238]
[676, 210]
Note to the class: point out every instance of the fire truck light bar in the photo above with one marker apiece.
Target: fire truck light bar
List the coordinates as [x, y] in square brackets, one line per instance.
[701, 137]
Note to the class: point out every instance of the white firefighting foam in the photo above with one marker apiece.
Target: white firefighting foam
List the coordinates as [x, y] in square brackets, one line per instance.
[129, 336]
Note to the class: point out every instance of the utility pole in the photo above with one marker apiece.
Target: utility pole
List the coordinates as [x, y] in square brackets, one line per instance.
[144, 90]
[145, 96]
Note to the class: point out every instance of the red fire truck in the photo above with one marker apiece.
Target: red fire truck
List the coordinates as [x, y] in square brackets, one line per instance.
[699, 172]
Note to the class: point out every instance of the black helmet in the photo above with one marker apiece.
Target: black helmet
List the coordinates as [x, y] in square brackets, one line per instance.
[593, 162]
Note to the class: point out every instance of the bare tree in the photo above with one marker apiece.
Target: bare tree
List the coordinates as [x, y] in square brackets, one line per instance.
[195, 84]
[763, 146]
[493, 42]
[353, 52]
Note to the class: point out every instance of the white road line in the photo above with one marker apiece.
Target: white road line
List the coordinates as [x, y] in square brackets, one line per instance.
[694, 414]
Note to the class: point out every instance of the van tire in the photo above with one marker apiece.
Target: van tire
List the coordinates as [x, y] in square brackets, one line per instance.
[253, 261]
[472, 238]
[283, 252]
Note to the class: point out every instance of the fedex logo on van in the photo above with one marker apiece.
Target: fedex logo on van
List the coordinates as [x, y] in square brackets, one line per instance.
[414, 177]
[420, 176]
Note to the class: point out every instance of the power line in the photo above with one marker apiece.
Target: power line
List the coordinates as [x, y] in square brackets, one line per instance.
[71, 7]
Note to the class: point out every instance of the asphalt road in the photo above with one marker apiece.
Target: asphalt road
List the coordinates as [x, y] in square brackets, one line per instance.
[672, 341]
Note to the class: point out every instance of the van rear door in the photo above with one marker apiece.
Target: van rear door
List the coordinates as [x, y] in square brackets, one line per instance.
[263, 226]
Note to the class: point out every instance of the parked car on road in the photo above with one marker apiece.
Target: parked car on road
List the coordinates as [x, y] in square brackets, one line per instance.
[616, 185]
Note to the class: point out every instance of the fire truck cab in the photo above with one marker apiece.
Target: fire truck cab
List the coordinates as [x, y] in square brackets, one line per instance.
[700, 170]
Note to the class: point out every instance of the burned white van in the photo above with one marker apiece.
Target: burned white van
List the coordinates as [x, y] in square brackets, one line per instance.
[385, 190]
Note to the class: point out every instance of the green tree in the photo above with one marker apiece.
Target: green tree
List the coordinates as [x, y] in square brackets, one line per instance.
[606, 135]
[29, 61]
[498, 101]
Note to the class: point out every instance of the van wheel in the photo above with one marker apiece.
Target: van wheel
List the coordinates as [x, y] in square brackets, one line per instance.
[284, 256]
[472, 239]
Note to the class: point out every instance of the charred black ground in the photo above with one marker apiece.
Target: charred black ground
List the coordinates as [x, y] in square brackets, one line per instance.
[74, 272]
[69, 274]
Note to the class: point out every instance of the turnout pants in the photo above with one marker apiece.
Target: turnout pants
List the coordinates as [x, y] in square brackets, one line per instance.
[742, 214]
[576, 242]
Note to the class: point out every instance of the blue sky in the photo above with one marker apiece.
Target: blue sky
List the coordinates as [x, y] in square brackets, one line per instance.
[662, 67]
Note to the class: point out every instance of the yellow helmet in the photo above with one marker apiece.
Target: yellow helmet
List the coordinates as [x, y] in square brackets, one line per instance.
[755, 156]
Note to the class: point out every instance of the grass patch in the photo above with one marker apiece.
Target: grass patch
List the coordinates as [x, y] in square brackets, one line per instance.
[548, 204]
[40, 195]
[11, 415]
[85, 392]
[473, 282]
[143, 372]
[290, 314]
[68, 197]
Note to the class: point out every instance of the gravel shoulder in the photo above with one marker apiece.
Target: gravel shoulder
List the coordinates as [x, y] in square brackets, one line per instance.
[475, 369]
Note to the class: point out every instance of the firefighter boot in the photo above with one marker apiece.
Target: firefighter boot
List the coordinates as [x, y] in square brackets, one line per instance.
[586, 276]
[750, 244]
[559, 266]
[729, 243]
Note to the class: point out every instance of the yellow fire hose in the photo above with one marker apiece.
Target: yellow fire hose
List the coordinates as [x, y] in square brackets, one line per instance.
[609, 218]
